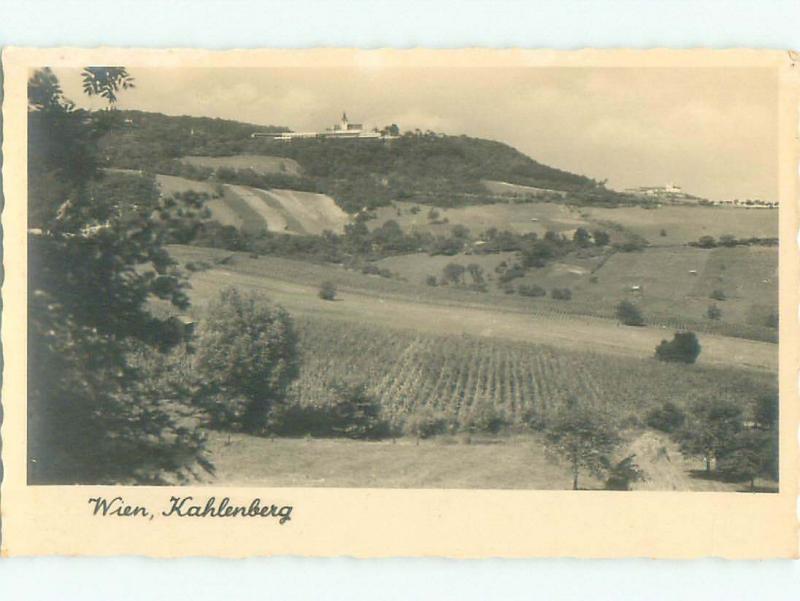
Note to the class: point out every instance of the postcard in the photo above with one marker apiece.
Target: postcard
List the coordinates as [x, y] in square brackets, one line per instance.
[459, 303]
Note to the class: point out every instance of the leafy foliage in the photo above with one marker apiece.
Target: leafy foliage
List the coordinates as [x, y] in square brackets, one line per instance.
[584, 437]
[667, 417]
[327, 291]
[96, 257]
[629, 314]
[247, 356]
[683, 348]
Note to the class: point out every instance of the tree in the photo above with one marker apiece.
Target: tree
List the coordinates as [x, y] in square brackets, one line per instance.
[683, 348]
[247, 355]
[751, 453]
[424, 422]
[601, 238]
[629, 314]
[96, 259]
[453, 272]
[584, 437]
[711, 429]
[582, 237]
[667, 417]
[327, 291]
[766, 412]
[714, 312]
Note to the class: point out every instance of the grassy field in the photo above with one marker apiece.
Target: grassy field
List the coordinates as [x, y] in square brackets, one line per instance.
[261, 164]
[517, 462]
[669, 292]
[684, 224]
[400, 305]
[521, 218]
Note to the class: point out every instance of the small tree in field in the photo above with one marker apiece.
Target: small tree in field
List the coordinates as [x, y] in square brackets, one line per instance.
[629, 314]
[710, 430]
[683, 348]
[247, 357]
[714, 312]
[327, 291]
[583, 437]
[752, 454]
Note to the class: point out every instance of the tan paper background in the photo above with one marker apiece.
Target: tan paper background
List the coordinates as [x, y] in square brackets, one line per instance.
[39, 520]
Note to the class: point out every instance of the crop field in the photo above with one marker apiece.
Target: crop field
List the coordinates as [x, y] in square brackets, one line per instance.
[684, 224]
[255, 210]
[261, 164]
[458, 374]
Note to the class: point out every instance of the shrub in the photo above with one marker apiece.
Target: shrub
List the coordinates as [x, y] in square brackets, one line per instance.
[718, 295]
[247, 357]
[425, 423]
[662, 232]
[714, 312]
[327, 291]
[561, 293]
[629, 314]
[532, 290]
[683, 348]
[485, 418]
[623, 473]
[706, 242]
[667, 417]
[601, 238]
[431, 280]
[354, 413]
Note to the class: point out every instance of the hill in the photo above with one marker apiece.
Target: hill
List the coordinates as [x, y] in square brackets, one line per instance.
[421, 166]
[254, 210]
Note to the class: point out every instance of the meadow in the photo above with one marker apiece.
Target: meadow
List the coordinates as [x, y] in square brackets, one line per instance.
[261, 164]
[499, 462]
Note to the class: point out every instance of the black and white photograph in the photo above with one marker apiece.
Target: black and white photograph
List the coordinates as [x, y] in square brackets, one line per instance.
[412, 277]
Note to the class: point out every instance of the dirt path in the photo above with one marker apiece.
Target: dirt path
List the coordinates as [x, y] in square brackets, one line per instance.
[573, 332]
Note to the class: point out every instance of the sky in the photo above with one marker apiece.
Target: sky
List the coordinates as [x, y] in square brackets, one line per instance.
[712, 131]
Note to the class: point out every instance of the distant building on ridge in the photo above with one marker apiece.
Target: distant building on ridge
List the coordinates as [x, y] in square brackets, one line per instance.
[344, 129]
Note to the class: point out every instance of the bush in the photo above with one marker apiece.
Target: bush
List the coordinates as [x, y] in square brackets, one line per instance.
[247, 357]
[354, 413]
[561, 293]
[623, 473]
[718, 295]
[629, 314]
[485, 418]
[327, 291]
[425, 423]
[431, 280]
[714, 312]
[532, 290]
[667, 417]
[683, 348]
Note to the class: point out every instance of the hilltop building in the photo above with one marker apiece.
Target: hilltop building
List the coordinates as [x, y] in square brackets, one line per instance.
[669, 193]
[344, 129]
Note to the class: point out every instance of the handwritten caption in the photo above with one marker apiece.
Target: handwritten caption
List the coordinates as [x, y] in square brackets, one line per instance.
[188, 507]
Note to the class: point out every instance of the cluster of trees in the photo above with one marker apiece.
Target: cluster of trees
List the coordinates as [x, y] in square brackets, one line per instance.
[456, 274]
[734, 444]
[729, 241]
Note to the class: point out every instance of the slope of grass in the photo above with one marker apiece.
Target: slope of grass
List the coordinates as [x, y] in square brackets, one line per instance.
[261, 164]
